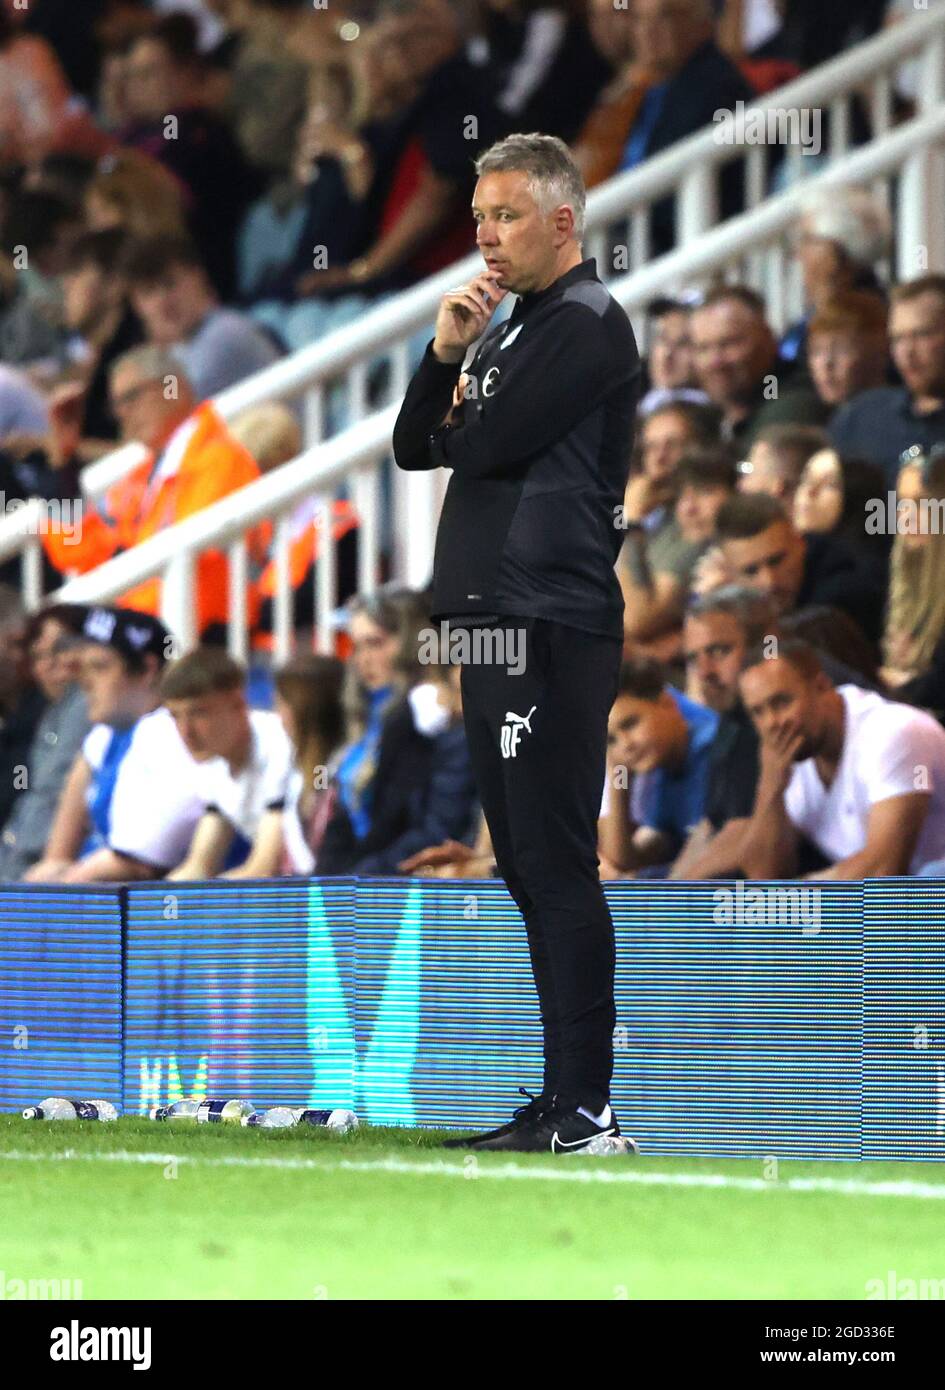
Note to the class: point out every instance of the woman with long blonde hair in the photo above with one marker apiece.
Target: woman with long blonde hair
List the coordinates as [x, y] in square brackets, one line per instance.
[914, 641]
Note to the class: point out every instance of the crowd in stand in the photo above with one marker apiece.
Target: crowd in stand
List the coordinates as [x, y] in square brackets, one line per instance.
[166, 171]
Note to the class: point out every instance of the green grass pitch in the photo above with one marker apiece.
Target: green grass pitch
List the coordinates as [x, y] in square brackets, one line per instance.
[142, 1210]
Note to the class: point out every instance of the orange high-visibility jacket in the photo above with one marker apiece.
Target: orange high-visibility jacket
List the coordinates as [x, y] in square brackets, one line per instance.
[201, 463]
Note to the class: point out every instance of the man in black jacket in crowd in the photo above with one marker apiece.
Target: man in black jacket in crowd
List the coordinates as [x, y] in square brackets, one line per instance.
[538, 432]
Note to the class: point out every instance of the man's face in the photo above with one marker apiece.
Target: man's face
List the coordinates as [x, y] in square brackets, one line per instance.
[211, 726]
[780, 700]
[55, 664]
[697, 510]
[733, 349]
[714, 648]
[642, 734]
[842, 363]
[515, 238]
[665, 34]
[772, 561]
[172, 307]
[140, 407]
[671, 363]
[151, 81]
[917, 342]
[664, 439]
[111, 693]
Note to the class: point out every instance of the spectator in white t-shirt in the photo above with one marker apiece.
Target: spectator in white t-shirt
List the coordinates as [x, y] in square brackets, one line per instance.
[860, 777]
[245, 763]
[129, 804]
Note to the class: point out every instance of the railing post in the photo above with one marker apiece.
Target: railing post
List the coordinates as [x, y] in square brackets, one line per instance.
[179, 600]
[697, 202]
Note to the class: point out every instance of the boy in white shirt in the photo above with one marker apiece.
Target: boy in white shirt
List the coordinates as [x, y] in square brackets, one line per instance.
[861, 777]
[244, 762]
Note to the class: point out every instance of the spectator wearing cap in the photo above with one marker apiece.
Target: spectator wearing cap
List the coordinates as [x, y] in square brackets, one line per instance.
[761, 547]
[52, 643]
[245, 762]
[194, 461]
[848, 346]
[882, 423]
[179, 309]
[128, 807]
[777, 458]
[738, 366]
[658, 744]
[860, 777]
[914, 639]
[670, 366]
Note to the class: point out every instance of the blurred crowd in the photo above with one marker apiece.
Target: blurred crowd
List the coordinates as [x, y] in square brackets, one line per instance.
[166, 171]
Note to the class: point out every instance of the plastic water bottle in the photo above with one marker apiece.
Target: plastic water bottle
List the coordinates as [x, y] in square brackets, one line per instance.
[180, 1110]
[53, 1108]
[286, 1116]
[223, 1111]
[96, 1110]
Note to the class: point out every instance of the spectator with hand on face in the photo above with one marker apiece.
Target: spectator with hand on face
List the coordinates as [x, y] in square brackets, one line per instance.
[858, 776]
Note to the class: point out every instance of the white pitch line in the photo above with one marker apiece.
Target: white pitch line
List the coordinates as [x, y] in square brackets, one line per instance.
[567, 1171]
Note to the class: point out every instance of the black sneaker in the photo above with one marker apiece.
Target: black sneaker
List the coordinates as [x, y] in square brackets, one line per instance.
[556, 1129]
[522, 1115]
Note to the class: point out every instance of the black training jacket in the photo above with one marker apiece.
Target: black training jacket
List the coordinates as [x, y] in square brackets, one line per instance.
[540, 456]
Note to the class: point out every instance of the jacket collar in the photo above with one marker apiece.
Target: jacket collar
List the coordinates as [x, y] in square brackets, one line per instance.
[584, 270]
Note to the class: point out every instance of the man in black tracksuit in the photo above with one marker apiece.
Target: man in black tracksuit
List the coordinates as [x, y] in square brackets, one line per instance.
[538, 435]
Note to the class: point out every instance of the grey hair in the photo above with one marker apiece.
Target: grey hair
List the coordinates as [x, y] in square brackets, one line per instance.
[152, 363]
[854, 218]
[553, 175]
[750, 607]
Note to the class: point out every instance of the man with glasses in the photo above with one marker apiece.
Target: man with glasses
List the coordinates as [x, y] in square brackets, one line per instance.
[880, 424]
[193, 461]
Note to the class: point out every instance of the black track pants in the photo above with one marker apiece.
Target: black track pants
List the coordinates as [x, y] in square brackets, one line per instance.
[538, 743]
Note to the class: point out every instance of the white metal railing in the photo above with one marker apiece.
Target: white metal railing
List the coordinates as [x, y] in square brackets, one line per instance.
[358, 451]
[618, 220]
